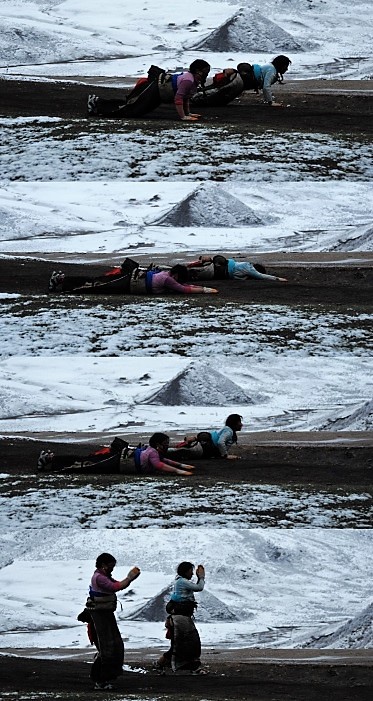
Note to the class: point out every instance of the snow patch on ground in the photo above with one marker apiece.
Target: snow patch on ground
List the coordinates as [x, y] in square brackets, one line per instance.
[115, 217]
[324, 39]
[284, 586]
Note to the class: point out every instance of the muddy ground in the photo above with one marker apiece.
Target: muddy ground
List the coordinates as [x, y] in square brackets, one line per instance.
[335, 460]
[284, 675]
[324, 281]
[326, 106]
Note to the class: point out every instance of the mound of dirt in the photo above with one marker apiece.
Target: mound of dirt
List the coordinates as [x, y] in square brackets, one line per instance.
[209, 205]
[248, 31]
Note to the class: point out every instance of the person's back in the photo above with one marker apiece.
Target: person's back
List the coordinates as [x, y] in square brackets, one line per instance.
[170, 281]
[184, 588]
[245, 269]
[224, 87]
[163, 281]
[186, 85]
[265, 76]
[271, 73]
[153, 459]
[223, 440]
[149, 458]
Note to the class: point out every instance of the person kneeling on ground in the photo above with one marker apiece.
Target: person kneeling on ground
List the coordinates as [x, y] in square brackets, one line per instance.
[153, 458]
[220, 268]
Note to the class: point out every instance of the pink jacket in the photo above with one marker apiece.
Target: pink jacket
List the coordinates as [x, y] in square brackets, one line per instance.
[186, 87]
[162, 282]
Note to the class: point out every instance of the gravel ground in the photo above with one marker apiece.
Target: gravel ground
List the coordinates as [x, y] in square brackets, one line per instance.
[285, 675]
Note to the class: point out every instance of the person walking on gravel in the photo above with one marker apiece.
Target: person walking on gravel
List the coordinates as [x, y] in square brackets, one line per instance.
[185, 650]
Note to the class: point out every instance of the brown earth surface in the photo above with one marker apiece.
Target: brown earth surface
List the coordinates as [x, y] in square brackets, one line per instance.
[268, 675]
[336, 460]
[334, 279]
[315, 105]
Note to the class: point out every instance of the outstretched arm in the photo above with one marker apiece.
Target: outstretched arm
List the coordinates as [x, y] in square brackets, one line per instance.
[249, 270]
[166, 465]
[175, 286]
[264, 276]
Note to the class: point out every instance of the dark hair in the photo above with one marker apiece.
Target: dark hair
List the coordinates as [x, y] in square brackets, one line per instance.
[157, 439]
[181, 271]
[220, 267]
[260, 268]
[219, 260]
[281, 63]
[244, 68]
[232, 421]
[105, 559]
[184, 568]
[198, 65]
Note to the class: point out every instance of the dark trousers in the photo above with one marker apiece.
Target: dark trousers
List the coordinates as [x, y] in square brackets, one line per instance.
[186, 644]
[109, 659]
[141, 100]
[116, 284]
[108, 463]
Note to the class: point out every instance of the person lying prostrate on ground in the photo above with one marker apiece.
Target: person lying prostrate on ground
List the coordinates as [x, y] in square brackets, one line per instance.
[211, 444]
[153, 459]
[227, 436]
[120, 281]
[173, 281]
[268, 75]
[104, 459]
[245, 269]
[221, 268]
